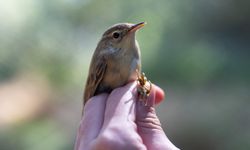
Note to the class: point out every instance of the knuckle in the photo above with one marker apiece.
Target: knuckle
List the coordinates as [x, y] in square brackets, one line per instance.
[108, 140]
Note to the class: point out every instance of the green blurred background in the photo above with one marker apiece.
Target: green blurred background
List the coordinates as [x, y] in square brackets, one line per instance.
[197, 51]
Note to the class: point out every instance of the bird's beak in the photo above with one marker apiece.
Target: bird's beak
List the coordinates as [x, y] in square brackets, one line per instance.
[137, 26]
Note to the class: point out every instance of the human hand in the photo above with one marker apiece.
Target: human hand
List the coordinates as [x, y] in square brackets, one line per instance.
[119, 121]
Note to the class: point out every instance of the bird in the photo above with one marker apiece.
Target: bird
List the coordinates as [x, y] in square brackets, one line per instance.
[116, 60]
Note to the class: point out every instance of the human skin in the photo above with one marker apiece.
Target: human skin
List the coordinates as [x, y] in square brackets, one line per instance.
[120, 121]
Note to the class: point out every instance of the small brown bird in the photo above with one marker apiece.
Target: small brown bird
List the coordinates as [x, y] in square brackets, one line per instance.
[115, 61]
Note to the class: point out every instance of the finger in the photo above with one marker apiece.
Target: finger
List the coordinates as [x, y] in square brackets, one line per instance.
[92, 120]
[159, 94]
[156, 96]
[148, 124]
[119, 119]
[120, 106]
[146, 112]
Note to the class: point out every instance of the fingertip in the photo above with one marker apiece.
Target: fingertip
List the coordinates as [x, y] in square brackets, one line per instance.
[118, 92]
[120, 102]
[96, 100]
[92, 118]
[156, 96]
[159, 94]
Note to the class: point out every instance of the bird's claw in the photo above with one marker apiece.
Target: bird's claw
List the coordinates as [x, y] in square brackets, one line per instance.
[144, 87]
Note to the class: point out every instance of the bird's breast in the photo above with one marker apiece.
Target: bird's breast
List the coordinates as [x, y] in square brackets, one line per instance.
[120, 71]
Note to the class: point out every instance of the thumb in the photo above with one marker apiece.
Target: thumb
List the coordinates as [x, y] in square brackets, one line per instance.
[146, 118]
[148, 124]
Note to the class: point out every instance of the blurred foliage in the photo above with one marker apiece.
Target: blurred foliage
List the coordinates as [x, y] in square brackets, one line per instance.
[197, 50]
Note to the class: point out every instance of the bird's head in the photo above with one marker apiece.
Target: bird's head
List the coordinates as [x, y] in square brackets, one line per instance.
[121, 37]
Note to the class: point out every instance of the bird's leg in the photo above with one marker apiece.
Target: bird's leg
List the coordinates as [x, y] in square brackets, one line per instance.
[142, 87]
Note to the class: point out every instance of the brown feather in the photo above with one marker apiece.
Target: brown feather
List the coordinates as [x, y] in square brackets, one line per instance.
[94, 78]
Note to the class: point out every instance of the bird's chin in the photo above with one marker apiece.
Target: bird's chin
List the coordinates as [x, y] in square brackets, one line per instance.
[130, 40]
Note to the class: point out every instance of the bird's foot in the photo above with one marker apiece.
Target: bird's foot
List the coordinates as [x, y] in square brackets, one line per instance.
[144, 87]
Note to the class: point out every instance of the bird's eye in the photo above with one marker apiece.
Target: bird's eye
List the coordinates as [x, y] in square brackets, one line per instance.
[116, 35]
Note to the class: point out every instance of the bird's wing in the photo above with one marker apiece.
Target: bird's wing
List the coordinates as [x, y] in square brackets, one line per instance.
[96, 75]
